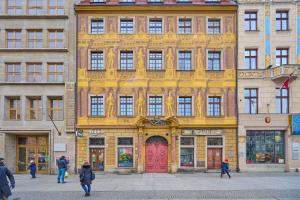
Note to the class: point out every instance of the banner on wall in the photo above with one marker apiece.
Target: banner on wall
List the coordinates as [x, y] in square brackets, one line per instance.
[295, 124]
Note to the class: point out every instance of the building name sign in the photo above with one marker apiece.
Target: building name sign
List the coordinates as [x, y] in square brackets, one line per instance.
[95, 132]
[202, 132]
[295, 124]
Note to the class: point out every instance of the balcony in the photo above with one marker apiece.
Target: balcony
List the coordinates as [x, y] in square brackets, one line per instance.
[277, 73]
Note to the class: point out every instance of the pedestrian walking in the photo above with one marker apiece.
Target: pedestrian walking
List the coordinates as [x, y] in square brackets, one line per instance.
[86, 178]
[5, 173]
[32, 169]
[62, 165]
[225, 168]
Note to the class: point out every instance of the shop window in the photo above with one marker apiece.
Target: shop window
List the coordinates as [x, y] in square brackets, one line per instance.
[125, 152]
[265, 147]
[97, 142]
[215, 141]
[187, 152]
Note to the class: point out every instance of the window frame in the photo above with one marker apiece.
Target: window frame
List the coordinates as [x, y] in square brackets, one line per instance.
[56, 73]
[184, 27]
[14, 73]
[91, 26]
[282, 97]
[17, 109]
[281, 56]
[98, 109]
[184, 105]
[188, 147]
[15, 8]
[219, 52]
[219, 28]
[35, 39]
[155, 59]
[281, 20]
[56, 8]
[214, 108]
[35, 8]
[155, 19]
[91, 59]
[38, 110]
[126, 106]
[155, 105]
[250, 99]
[35, 75]
[250, 57]
[15, 40]
[127, 60]
[118, 146]
[250, 20]
[184, 59]
[126, 28]
[56, 41]
[57, 110]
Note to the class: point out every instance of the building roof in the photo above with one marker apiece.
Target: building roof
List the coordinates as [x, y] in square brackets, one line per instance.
[156, 2]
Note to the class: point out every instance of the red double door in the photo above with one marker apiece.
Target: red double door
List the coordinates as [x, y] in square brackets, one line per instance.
[156, 156]
[214, 158]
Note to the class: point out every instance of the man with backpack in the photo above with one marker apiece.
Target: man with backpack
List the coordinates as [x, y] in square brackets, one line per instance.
[86, 178]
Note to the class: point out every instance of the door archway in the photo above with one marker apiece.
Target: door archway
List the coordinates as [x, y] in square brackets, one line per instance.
[156, 158]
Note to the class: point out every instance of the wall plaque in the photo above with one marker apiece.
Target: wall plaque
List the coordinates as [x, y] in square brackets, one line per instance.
[202, 132]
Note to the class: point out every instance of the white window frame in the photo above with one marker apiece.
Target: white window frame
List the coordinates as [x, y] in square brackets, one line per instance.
[117, 146]
[90, 105]
[188, 146]
[163, 105]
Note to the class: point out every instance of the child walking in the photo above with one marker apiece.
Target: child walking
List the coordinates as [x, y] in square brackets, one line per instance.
[32, 168]
[225, 168]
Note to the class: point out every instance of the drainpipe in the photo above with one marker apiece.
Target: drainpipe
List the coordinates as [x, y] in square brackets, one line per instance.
[236, 91]
[75, 109]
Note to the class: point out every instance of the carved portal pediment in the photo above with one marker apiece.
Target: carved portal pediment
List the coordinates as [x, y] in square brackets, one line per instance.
[157, 122]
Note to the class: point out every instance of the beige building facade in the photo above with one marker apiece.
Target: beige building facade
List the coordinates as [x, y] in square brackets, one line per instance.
[37, 83]
[268, 55]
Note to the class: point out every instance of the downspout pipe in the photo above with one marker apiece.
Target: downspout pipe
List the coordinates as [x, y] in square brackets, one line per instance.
[75, 109]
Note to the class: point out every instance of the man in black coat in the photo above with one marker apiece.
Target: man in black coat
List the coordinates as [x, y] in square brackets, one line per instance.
[62, 165]
[5, 191]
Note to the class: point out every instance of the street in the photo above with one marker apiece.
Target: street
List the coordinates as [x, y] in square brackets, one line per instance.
[284, 186]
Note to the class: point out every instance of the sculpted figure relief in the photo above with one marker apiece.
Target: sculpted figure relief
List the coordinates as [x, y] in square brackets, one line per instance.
[199, 104]
[170, 65]
[140, 64]
[110, 63]
[110, 105]
[141, 102]
[200, 59]
[170, 105]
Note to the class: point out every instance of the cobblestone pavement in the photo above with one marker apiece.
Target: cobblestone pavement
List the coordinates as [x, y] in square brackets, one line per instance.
[263, 186]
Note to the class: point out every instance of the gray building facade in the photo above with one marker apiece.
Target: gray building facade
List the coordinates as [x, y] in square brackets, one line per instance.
[37, 83]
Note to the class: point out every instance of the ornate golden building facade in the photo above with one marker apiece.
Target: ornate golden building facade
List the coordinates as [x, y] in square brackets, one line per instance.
[156, 86]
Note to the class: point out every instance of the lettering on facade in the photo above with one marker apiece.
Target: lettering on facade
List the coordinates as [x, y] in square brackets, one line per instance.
[95, 132]
[250, 74]
[202, 132]
[158, 122]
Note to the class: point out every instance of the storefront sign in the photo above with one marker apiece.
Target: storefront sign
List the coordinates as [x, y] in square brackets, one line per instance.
[202, 132]
[95, 132]
[295, 151]
[79, 133]
[295, 124]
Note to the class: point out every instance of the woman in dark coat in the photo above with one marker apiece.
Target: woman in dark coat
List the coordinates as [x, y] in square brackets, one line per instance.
[32, 168]
[86, 177]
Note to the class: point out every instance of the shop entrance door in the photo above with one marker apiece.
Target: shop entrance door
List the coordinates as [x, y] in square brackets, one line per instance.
[32, 148]
[97, 159]
[156, 155]
[214, 158]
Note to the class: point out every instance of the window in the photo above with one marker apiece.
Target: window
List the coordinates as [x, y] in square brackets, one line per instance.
[214, 60]
[97, 26]
[282, 20]
[13, 72]
[55, 72]
[97, 106]
[155, 26]
[265, 147]
[126, 25]
[155, 106]
[125, 152]
[35, 7]
[185, 60]
[14, 39]
[56, 39]
[250, 21]
[126, 1]
[126, 106]
[126, 60]
[34, 108]
[185, 106]
[186, 152]
[13, 108]
[97, 141]
[214, 26]
[282, 56]
[214, 141]
[56, 108]
[97, 60]
[155, 1]
[56, 7]
[34, 72]
[251, 100]
[98, 1]
[155, 60]
[185, 25]
[282, 100]
[250, 58]
[14, 7]
[184, 1]
[214, 106]
[34, 39]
